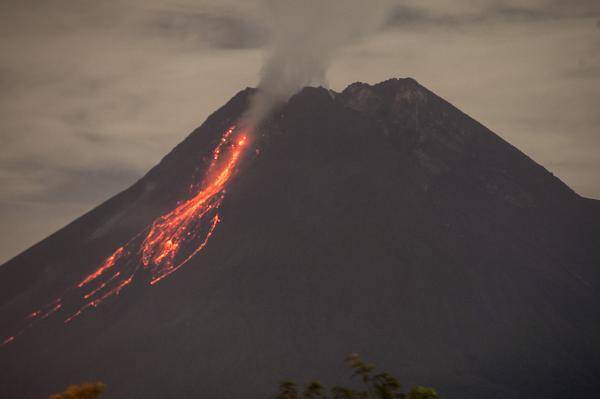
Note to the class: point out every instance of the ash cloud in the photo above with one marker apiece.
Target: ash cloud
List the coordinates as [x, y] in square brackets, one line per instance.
[304, 38]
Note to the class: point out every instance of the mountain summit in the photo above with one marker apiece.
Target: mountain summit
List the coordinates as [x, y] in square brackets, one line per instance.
[379, 220]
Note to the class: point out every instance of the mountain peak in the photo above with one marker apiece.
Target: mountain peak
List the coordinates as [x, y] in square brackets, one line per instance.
[381, 220]
[370, 98]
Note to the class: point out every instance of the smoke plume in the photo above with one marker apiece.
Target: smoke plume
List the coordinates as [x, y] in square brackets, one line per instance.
[304, 37]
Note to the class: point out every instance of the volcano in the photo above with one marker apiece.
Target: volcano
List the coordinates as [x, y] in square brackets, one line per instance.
[379, 220]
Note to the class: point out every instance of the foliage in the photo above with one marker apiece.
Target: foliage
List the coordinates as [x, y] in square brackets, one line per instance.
[91, 390]
[375, 386]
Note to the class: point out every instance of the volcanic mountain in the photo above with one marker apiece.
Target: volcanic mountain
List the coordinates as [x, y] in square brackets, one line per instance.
[379, 220]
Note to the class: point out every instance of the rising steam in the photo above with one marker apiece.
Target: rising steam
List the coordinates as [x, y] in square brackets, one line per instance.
[305, 36]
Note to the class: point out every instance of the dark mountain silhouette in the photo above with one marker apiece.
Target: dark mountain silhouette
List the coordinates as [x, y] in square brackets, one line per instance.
[379, 220]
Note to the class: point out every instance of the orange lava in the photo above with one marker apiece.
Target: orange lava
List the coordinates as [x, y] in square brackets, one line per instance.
[168, 243]
[171, 231]
[108, 263]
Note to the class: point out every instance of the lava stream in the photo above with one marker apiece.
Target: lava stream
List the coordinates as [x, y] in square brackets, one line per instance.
[167, 244]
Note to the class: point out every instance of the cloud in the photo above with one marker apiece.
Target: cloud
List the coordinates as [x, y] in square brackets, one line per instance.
[422, 13]
[221, 31]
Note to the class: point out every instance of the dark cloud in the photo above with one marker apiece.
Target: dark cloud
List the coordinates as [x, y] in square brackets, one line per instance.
[63, 185]
[73, 184]
[205, 28]
[520, 14]
[574, 8]
[426, 13]
[407, 16]
[585, 72]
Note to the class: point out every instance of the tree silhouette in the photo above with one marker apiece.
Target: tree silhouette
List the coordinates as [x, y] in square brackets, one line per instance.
[375, 386]
[91, 390]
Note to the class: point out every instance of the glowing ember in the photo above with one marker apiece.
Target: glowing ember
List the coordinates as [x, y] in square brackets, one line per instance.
[168, 243]
[108, 263]
[34, 314]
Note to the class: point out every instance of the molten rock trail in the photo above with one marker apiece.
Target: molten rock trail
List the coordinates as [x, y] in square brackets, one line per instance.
[169, 243]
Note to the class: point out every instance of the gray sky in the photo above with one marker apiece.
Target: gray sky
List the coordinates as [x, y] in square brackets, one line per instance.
[94, 93]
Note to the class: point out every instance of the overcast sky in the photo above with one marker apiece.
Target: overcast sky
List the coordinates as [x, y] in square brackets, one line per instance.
[94, 93]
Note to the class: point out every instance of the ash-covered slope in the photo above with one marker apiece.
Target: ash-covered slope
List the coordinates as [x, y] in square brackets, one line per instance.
[380, 220]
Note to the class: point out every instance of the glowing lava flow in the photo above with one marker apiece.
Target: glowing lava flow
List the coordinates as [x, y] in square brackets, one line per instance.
[168, 243]
[169, 232]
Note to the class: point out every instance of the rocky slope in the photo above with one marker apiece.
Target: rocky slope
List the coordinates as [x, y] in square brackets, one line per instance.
[378, 220]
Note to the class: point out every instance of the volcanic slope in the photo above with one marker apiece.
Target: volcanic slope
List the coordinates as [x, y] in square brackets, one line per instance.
[379, 220]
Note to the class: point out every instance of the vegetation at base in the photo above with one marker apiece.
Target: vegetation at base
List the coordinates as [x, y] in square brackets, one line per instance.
[90, 390]
[375, 386]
